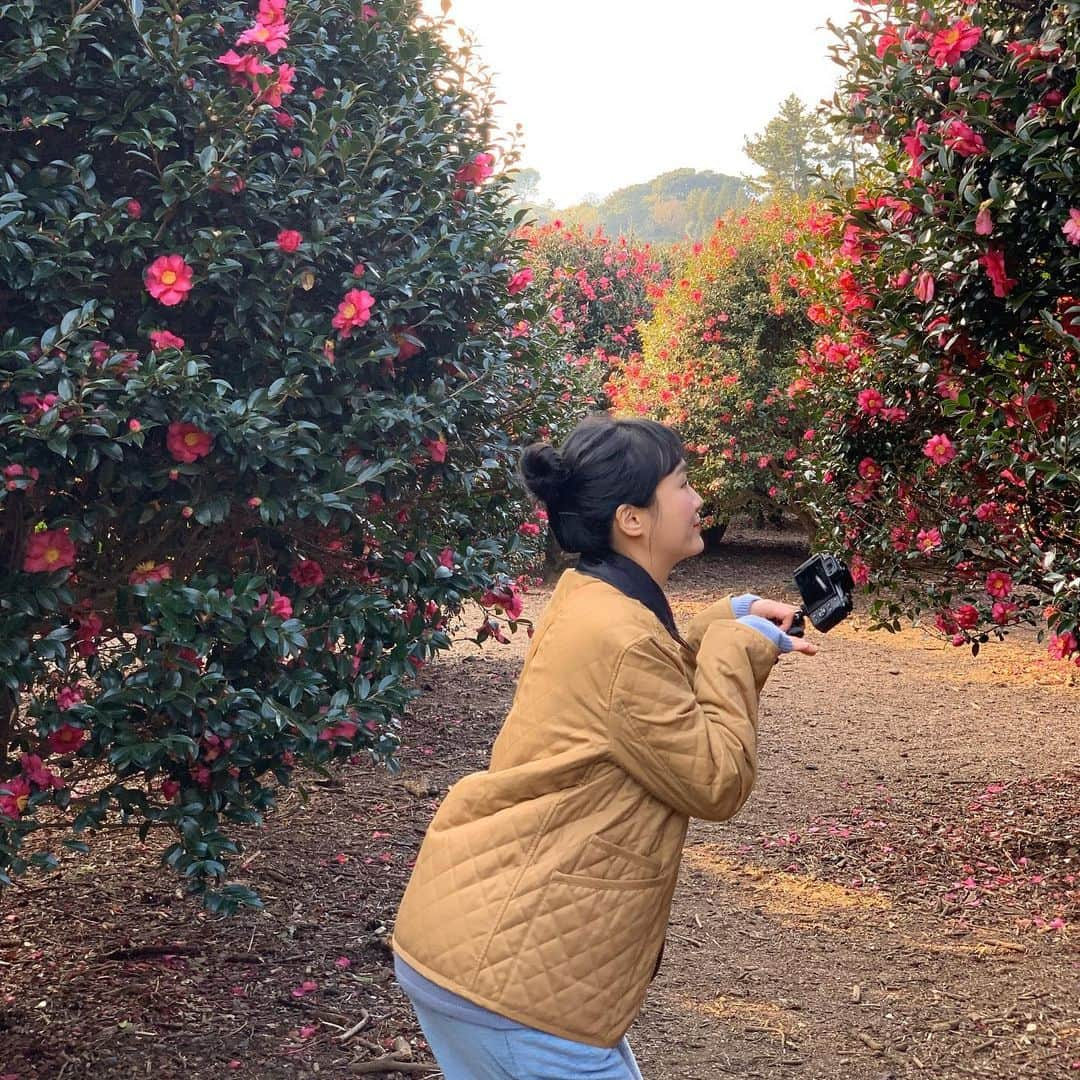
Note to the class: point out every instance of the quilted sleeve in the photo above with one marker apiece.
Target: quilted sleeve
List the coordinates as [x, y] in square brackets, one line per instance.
[692, 747]
[695, 629]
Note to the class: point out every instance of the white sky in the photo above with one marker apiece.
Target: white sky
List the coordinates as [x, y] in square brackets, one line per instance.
[613, 92]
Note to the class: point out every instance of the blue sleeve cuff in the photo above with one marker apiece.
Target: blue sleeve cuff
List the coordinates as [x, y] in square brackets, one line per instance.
[740, 605]
[769, 630]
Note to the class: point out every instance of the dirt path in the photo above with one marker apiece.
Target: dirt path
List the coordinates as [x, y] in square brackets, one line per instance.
[887, 905]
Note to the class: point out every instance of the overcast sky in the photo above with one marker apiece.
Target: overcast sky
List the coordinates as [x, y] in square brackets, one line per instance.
[613, 92]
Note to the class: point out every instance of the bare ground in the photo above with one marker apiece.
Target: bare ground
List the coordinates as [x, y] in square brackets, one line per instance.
[899, 898]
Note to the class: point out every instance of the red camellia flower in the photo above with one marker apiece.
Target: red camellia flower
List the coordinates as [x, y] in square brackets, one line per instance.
[949, 45]
[476, 171]
[993, 262]
[928, 540]
[1062, 646]
[134, 208]
[925, 286]
[289, 239]
[406, 348]
[999, 584]
[308, 574]
[164, 339]
[353, 311]
[282, 85]
[520, 281]
[168, 279]
[48, 551]
[963, 139]
[939, 449]
[150, 573]
[437, 448]
[244, 70]
[967, 616]
[66, 739]
[188, 443]
[506, 598]
[870, 401]
[14, 795]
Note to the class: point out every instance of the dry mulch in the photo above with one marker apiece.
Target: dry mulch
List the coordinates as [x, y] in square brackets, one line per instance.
[894, 900]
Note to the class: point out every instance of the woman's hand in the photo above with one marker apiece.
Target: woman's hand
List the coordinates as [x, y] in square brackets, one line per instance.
[782, 615]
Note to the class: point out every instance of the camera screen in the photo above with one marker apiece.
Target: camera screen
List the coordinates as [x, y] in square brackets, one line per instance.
[813, 584]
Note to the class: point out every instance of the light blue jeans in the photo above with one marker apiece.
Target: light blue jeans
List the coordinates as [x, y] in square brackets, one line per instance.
[471, 1043]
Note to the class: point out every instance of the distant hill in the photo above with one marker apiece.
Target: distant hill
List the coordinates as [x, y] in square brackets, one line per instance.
[677, 205]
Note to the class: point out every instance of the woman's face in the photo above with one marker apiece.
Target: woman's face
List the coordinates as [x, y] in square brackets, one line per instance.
[676, 527]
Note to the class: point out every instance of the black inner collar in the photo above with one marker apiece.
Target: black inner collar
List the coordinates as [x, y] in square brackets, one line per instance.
[634, 581]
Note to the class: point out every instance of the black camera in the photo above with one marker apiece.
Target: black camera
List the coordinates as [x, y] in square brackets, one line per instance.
[825, 584]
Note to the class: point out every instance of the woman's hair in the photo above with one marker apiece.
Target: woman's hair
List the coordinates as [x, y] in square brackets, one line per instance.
[602, 464]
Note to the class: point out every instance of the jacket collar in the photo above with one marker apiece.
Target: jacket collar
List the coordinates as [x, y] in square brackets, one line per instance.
[634, 581]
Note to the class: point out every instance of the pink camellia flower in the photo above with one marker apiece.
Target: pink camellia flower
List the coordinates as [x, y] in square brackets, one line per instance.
[368, 13]
[1003, 611]
[476, 171]
[282, 85]
[984, 222]
[168, 279]
[244, 70]
[436, 448]
[150, 573]
[870, 470]
[999, 584]
[308, 574]
[187, 442]
[271, 11]
[914, 148]
[888, 39]
[950, 44]
[133, 208]
[963, 139]
[520, 281]
[35, 771]
[993, 262]
[353, 311]
[68, 698]
[272, 36]
[446, 558]
[925, 286]
[1071, 228]
[505, 598]
[289, 240]
[164, 339]
[284, 120]
[928, 540]
[14, 795]
[66, 739]
[47, 551]
[939, 449]
[529, 528]
[1062, 646]
[870, 401]
[281, 606]
[347, 730]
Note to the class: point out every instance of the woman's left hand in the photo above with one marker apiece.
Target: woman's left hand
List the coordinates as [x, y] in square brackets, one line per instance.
[775, 611]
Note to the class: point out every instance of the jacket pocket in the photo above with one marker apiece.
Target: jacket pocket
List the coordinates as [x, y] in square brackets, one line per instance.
[590, 949]
[602, 862]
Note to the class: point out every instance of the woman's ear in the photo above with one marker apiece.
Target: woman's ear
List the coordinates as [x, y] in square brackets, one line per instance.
[629, 520]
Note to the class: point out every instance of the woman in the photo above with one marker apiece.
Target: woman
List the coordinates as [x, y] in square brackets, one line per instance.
[536, 913]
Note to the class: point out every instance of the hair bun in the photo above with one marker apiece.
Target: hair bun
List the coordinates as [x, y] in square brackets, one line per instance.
[544, 472]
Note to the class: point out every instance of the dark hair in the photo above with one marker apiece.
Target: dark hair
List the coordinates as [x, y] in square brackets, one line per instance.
[603, 463]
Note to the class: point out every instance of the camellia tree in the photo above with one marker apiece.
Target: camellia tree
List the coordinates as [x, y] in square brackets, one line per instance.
[945, 388]
[598, 289]
[719, 352]
[259, 398]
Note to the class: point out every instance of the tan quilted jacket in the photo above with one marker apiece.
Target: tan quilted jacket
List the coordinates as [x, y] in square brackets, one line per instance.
[543, 886]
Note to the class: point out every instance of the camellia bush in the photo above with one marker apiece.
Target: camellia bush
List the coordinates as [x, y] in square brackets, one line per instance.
[259, 399]
[719, 352]
[597, 290]
[945, 388]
